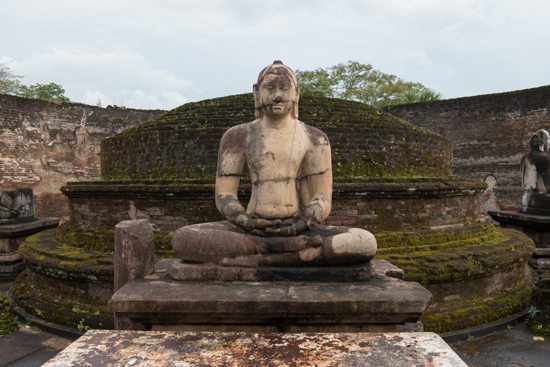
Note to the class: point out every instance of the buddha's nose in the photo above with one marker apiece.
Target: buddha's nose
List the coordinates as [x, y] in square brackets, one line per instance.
[278, 99]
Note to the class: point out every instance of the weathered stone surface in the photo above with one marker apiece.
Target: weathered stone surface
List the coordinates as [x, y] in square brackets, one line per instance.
[375, 204]
[16, 205]
[44, 144]
[103, 347]
[134, 251]
[309, 306]
[290, 170]
[535, 175]
[370, 143]
[542, 252]
[20, 229]
[540, 264]
[13, 234]
[537, 227]
[184, 271]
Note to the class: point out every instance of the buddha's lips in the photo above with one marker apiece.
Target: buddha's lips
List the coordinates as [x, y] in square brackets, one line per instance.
[276, 104]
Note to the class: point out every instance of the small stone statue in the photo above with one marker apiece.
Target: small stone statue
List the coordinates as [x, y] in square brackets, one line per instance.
[291, 174]
[16, 204]
[535, 173]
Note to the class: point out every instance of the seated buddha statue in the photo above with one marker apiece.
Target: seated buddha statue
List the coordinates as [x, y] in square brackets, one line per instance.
[291, 174]
[535, 173]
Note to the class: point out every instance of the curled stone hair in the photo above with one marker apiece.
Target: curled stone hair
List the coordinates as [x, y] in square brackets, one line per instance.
[277, 68]
[538, 139]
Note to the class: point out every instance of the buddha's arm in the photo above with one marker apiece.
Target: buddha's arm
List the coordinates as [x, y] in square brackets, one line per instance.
[317, 185]
[320, 188]
[231, 160]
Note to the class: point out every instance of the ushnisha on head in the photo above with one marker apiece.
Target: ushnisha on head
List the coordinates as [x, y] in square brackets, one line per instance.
[277, 92]
[540, 141]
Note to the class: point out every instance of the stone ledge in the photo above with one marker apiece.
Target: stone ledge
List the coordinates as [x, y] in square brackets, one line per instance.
[523, 219]
[21, 229]
[349, 187]
[183, 271]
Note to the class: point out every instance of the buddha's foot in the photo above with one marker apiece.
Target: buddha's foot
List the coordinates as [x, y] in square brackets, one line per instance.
[306, 257]
[292, 244]
[249, 261]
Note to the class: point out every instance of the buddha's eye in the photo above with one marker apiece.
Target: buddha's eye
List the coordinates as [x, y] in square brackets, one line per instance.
[270, 86]
[285, 86]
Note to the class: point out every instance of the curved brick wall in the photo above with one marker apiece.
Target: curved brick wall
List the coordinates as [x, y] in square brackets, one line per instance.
[183, 143]
[490, 134]
[374, 204]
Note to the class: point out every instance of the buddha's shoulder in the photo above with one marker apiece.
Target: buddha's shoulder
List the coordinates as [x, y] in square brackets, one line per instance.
[236, 135]
[316, 136]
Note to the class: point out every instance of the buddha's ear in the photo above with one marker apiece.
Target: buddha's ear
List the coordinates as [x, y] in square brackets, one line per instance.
[295, 110]
[257, 106]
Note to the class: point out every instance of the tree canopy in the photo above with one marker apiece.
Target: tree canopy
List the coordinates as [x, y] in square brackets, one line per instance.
[358, 82]
[10, 84]
[51, 92]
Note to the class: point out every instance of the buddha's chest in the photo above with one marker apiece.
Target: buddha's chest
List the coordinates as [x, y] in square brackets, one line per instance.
[275, 154]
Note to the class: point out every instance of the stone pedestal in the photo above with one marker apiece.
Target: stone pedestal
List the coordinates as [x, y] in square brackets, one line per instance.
[536, 226]
[12, 234]
[379, 304]
[139, 348]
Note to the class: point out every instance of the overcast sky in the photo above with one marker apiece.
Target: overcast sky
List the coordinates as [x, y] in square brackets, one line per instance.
[163, 53]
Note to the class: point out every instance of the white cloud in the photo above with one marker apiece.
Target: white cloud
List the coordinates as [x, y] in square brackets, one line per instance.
[126, 74]
[148, 53]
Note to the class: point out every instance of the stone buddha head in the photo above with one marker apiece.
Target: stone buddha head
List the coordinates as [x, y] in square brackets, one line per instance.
[276, 93]
[540, 141]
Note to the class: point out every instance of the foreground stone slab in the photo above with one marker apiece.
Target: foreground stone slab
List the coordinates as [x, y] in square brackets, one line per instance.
[150, 348]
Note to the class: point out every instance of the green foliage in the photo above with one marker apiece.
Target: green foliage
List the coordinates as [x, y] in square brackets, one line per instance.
[50, 92]
[415, 96]
[317, 82]
[82, 327]
[9, 82]
[357, 82]
[533, 311]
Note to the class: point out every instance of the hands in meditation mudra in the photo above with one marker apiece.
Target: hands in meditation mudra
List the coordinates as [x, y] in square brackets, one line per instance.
[291, 174]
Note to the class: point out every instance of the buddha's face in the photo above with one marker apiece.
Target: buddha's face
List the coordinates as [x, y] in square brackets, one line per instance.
[277, 95]
[545, 140]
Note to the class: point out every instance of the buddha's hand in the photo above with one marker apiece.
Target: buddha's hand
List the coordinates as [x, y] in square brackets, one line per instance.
[253, 225]
[288, 228]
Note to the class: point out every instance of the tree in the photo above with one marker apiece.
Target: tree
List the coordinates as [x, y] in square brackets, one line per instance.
[50, 92]
[425, 95]
[9, 82]
[355, 81]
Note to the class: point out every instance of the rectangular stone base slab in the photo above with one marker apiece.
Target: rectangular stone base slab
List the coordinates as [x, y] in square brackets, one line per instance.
[381, 303]
[537, 227]
[11, 236]
[28, 228]
[150, 348]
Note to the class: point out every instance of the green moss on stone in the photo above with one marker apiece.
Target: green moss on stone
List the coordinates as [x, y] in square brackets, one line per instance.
[8, 320]
[183, 143]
